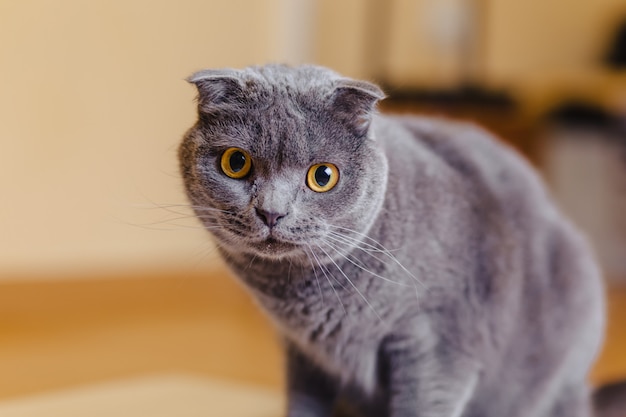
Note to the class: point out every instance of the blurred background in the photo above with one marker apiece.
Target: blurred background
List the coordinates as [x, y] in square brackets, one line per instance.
[103, 273]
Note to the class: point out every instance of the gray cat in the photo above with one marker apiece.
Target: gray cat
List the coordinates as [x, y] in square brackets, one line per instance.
[414, 267]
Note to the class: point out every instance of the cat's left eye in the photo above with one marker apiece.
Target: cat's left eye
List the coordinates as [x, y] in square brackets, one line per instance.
[322, 177]
[236, 163]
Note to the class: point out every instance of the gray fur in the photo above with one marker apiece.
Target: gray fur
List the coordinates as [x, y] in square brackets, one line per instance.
[437, 279]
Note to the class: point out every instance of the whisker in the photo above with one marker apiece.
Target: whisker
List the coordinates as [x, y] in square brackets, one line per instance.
[354, 244]
[251, 262]
[386, 252]
[319, 288]
[346, 257]
[170, 208]
[376, 244]
[326, 272]
[154, 225]
[204, 251]
[166, 206]
[186, 226]
[168, 220]
[361, 244]
[351, 283]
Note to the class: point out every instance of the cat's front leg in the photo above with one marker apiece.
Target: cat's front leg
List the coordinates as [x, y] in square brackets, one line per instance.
[427, 381]
[310, 391]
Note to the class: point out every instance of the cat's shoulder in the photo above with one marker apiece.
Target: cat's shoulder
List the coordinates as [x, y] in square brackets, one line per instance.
[471, 152]
[459, 142]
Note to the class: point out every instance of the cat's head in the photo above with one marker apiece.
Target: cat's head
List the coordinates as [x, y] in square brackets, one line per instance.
[282, 161]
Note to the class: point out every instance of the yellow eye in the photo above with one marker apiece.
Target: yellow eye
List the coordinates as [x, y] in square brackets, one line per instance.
[236, 163]
[322, 177]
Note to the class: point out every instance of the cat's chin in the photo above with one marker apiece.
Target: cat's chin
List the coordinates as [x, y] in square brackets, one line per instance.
[274, 248]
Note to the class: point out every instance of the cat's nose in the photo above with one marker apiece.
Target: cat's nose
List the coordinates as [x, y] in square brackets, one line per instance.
[269, 218]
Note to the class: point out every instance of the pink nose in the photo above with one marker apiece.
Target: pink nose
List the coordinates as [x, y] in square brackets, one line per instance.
[269, 218]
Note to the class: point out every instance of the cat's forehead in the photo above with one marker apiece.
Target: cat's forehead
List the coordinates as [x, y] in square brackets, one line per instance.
[281, 79]
[283, 135]
[285, 116]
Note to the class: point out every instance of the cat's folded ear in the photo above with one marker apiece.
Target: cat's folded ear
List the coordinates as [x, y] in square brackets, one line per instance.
[218, 90]
[354, 102]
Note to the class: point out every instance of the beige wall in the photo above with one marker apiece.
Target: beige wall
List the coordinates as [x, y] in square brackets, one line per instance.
[340, 30]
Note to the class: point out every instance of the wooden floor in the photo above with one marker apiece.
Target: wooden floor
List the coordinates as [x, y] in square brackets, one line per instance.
[68, 333]
[155, 395]
[65, 333]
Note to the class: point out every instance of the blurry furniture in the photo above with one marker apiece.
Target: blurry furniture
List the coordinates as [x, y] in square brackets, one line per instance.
[497, 111]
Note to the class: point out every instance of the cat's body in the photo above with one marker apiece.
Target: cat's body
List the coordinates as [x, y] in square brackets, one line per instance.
[435, 279]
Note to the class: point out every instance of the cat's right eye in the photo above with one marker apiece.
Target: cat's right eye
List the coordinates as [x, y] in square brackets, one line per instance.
[235, 163]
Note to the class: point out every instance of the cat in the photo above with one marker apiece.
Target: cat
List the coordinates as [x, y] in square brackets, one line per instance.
[413, 266]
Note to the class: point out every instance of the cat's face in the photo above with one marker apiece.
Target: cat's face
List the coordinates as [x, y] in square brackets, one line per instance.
[281, 162]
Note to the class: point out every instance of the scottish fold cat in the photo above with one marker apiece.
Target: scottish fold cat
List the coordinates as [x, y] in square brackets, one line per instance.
[413, 266]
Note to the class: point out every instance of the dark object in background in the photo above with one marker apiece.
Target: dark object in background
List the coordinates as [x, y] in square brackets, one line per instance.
[610, 400]
[616, 55]
[464, 96]
[581, 113]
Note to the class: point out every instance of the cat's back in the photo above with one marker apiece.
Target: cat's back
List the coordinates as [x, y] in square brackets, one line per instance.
[507, 196]
[539, 287]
